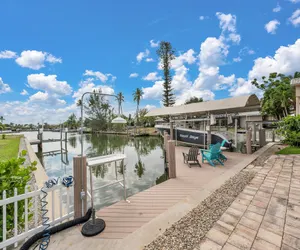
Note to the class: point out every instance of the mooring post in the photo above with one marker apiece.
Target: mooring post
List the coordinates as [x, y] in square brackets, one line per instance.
[248, 141]
[171, 158]
[80, 205]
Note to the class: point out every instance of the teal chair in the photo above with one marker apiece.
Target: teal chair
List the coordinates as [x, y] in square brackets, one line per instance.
[222, 157]
[212, 155]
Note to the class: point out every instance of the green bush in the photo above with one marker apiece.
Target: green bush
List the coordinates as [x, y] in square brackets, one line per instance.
[289, 128]
[13, 174]
[3, 136]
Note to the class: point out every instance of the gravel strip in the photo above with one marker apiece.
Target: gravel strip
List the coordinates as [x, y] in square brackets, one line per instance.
[187, 233]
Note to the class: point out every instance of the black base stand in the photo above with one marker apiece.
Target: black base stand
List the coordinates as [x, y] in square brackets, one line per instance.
[93, 227]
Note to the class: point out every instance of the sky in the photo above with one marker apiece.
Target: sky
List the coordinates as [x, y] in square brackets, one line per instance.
[51, 52]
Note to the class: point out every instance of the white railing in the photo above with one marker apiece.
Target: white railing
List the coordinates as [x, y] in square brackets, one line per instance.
[59, 207]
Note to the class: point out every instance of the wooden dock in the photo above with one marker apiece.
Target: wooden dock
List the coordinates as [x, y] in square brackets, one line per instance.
[124, 218]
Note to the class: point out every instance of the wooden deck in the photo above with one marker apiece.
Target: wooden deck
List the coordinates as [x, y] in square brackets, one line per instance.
[129, 226]
[124, 218]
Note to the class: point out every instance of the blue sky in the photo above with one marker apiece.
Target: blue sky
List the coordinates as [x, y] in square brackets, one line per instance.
[51, 52]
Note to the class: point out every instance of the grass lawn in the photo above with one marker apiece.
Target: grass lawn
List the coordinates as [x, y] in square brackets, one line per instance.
[9, 147]
[289, 150]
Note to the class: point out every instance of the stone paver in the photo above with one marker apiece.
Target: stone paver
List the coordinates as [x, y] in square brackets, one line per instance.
[266, 215]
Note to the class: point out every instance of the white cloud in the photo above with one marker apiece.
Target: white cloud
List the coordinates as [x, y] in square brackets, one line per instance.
[133, 75]
[7, 54]
[187, 57]
[285, 60]
[34, 59]
[228, 27]
[277, 8]
[212, 52]
[149, 60]
[154, 92]
[34, 112]
[31, 59]
[4, 87]
[149, 107]
[246, 51]
[251, 52]
[272, 26]
[188, 93]
[152, 77]
[142, 55]
[295, 1]
[100, 76]
[49, 84]
[227, 22]
[154, 44]
[295, 18]
[235, 38]
[89, 86]
[24, 92]
[39, 96]
[201, 18]
[52, 59]
[237, 59]
[44, 98]
[243, 87]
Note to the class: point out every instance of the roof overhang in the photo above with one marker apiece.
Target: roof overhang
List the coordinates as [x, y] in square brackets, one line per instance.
[229, 105]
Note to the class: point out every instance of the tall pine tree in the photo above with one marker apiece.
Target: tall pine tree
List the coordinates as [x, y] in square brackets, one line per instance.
[166, 55]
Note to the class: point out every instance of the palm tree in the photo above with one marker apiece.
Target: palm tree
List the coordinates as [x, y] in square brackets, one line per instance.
[1, 119]
[137, 96]
[121, 99]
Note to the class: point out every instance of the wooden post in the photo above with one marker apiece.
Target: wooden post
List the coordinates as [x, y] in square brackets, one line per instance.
[79, 176]
[235, 131]
[208, 137]
[172, 130]
[262, 137]
[273, 135]
[248, 141]
[254, 135]
[171, 158]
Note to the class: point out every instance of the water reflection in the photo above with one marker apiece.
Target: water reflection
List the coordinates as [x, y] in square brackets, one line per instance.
[100, 171]
[143, 166]
[139, 168]
[73, 141]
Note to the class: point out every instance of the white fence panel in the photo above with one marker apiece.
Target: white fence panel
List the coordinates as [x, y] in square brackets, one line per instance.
[17, 235]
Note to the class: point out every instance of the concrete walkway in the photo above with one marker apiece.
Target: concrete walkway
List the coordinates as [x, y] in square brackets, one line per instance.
[266, 215]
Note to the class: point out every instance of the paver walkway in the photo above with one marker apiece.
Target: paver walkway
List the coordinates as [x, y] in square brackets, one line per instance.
[266, 215]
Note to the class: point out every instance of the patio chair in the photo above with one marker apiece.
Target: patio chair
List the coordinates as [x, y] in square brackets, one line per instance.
[223, 158]
[212, 155]
[191, 156]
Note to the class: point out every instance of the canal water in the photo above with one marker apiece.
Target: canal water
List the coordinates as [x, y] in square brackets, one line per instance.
[144, 166]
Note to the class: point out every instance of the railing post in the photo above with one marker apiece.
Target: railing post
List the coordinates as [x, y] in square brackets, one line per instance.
[79, 175]
[171, 158]
[248, 141]
[262, 137]
[166, 139]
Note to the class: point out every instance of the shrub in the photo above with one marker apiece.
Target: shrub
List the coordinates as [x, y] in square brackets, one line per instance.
[3, 136]
[289, 128]
[13, 174]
